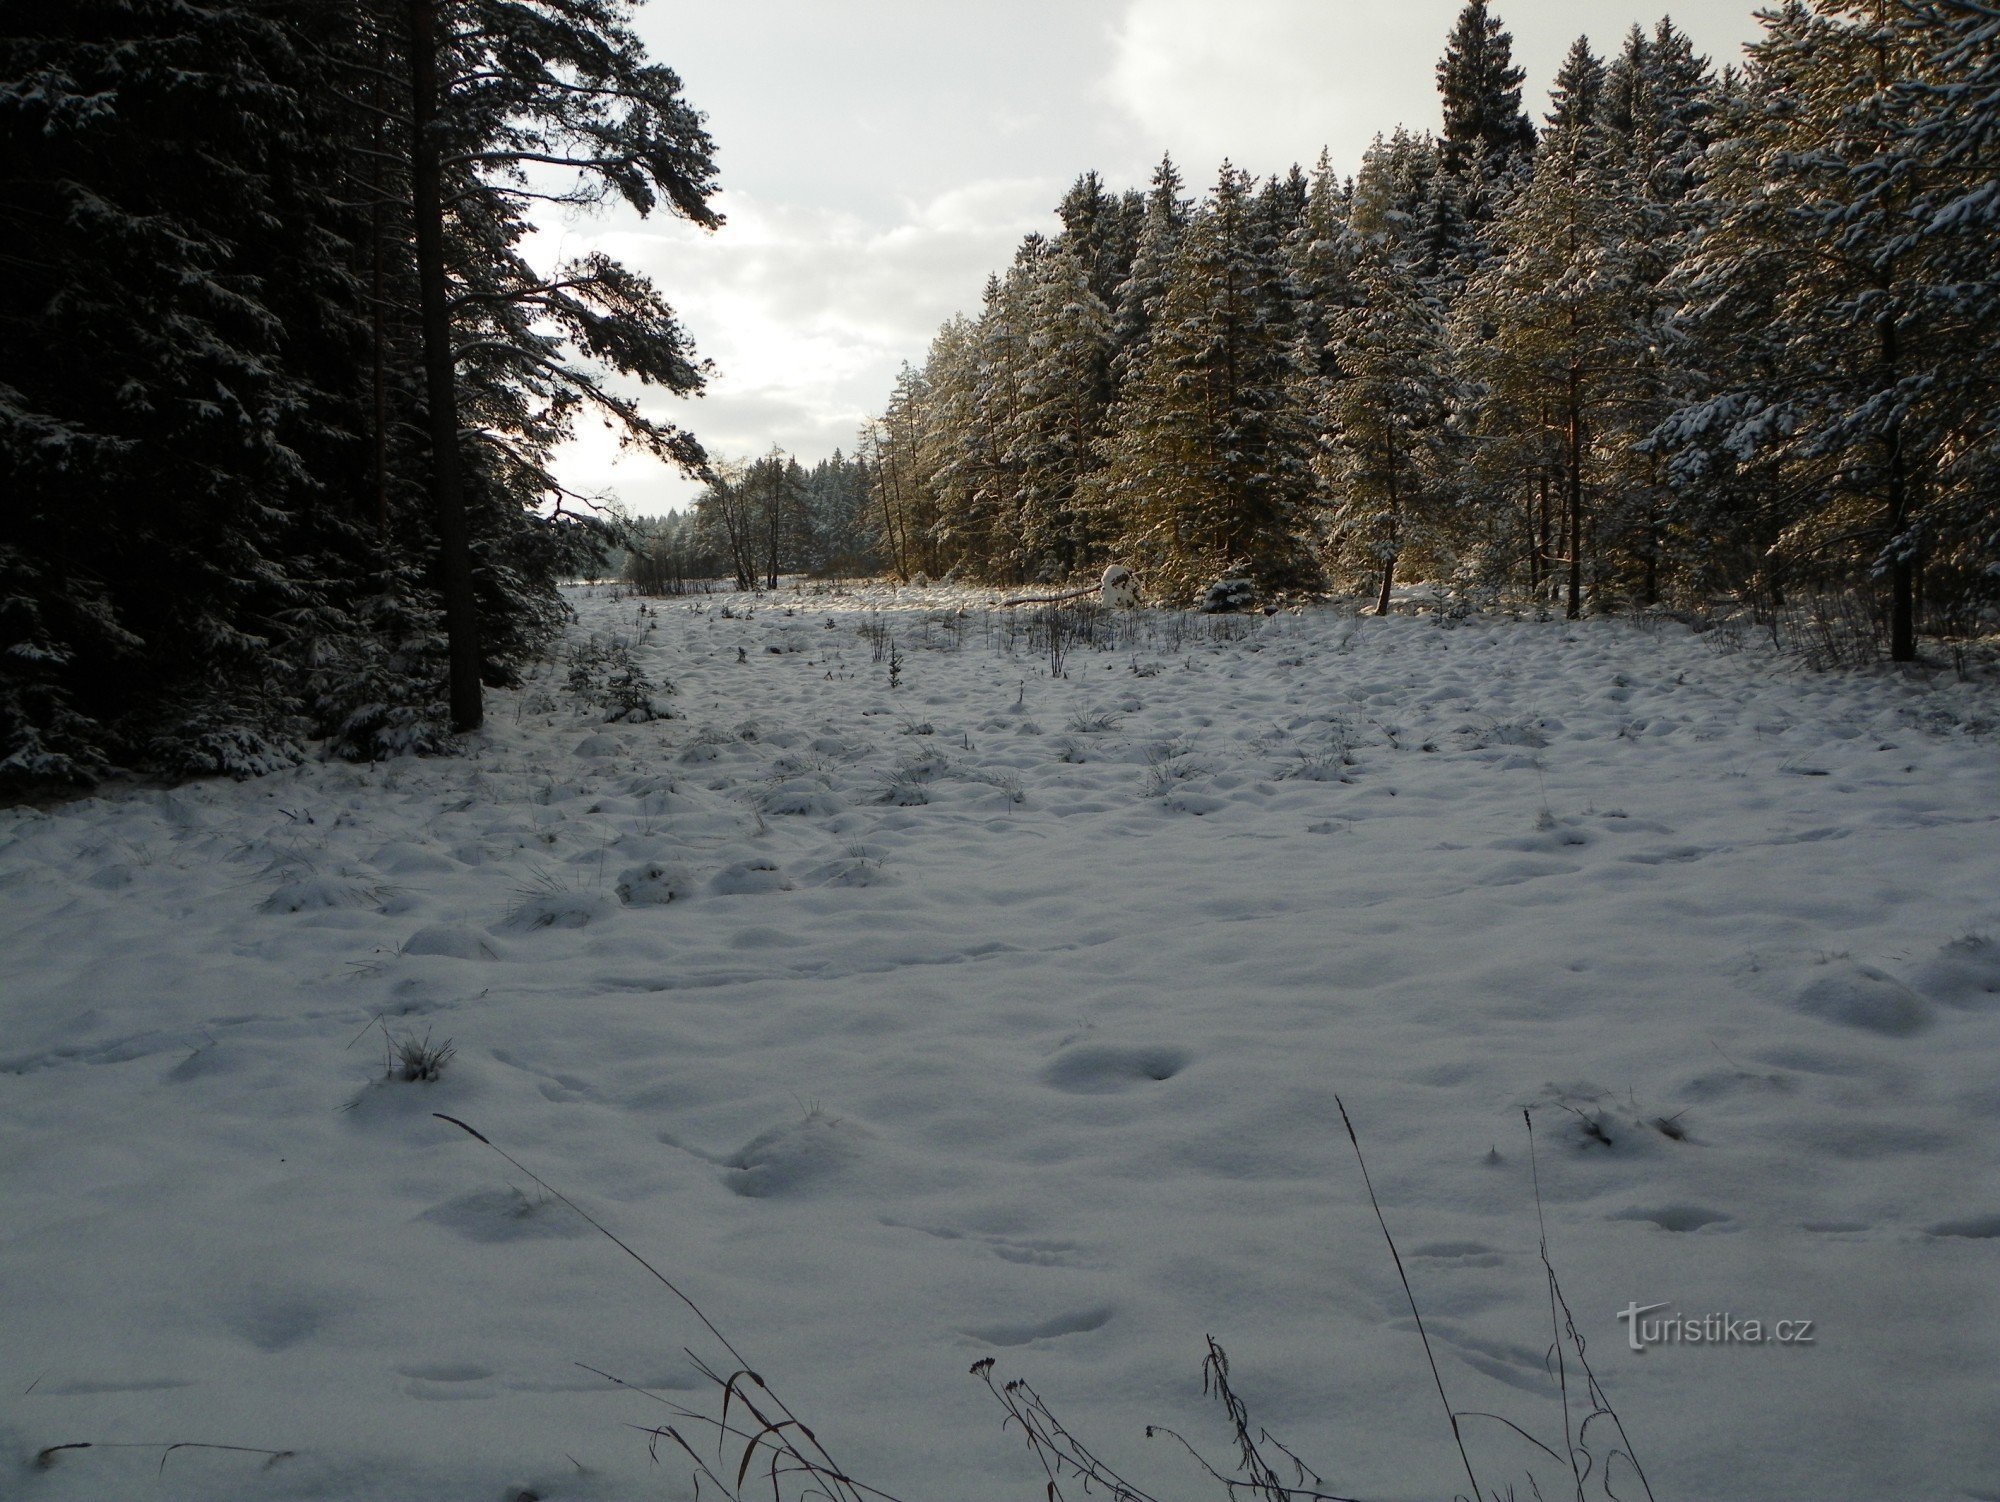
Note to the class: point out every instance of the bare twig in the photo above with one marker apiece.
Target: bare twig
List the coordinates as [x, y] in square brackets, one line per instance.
[1422, 1334]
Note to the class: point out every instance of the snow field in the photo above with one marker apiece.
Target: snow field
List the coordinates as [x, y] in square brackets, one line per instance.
[996, 1014]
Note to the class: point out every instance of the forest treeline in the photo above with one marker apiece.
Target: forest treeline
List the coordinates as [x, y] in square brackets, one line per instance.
[1698, 332]
[279, 383]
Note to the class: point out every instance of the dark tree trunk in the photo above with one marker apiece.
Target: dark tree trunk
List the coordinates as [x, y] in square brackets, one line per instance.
[1388, 582]
[1575, 496]
[777, 528]
[378, 306]
[1902, 568]
[461, 615]
[1542, 554]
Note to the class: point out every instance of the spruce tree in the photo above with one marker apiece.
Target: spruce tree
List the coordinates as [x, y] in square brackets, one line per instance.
[1139, 295]
[1208, 461]
[146, 409]
[1486, 135]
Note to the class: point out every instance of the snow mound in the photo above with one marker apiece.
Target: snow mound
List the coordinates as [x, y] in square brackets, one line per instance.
[560, 909]
[653, 884]
[404, 858]
[1862, 996]
[451, 940]
[310, 894]
[750, 878]
[501, 1215]
[791, 1157]
[1964, 973]
[799, 795]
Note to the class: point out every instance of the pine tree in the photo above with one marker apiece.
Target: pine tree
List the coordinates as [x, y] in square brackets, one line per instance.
[1549, 334]
[1953, 125]
[218, 540]
[1389, 461]
[1831, 380]
[563, 86]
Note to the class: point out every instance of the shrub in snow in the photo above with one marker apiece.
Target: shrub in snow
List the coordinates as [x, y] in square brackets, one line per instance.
[653, 884]
[1227, 596]
[414, 1060]
[605, 674]
[1094, 721]
[904, 790]
[553, 907]
[309, 894]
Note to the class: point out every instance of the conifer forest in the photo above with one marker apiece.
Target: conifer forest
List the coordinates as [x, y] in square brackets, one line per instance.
[280, 387]
[1342, 849]
[1695, 332]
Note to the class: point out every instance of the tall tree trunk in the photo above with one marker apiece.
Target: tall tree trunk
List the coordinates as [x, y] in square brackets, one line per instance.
[378, 307]
[461, 615]
[1528, 534]
[1542, 536]
[1575, 496]
[777, 527]
[1902, 568]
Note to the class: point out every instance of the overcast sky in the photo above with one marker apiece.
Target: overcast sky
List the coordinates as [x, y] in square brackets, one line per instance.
[879, 158]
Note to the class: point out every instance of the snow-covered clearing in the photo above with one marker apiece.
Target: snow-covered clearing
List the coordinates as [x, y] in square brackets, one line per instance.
[1002, 1015]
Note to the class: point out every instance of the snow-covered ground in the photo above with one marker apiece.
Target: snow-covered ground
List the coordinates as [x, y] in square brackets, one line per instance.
[1002, 1015]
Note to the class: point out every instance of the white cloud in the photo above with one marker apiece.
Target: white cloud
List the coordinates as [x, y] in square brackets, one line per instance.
[879, 161]
[807, 314]
[1268, 82]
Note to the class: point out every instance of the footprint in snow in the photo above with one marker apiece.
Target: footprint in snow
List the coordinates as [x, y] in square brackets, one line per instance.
[1105, 1068]
[1080, 1322]
[1963, 973]
[451, 940]
[750, 878]
[1463, 1253]
[496, 1216]
[1677, 1217]
[1976, 1227]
